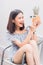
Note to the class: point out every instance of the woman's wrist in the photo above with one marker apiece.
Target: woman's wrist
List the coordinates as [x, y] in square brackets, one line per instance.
[31, 31]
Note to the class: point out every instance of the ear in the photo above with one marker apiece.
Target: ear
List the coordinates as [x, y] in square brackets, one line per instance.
[12, 21]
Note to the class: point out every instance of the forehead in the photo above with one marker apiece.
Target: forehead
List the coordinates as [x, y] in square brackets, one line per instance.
[20, 15]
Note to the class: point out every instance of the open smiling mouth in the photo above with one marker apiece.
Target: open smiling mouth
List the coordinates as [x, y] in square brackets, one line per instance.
[22, 23]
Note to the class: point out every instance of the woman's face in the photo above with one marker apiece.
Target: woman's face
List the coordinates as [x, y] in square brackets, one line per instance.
[19, 20]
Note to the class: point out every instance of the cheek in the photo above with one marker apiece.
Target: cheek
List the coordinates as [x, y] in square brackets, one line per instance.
[17, 23]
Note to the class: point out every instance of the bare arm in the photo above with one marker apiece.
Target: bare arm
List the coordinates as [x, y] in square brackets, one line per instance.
[27, 40]
[30, 34]
[35, 37]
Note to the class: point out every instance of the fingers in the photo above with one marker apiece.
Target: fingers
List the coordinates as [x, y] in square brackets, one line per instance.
[33, 28]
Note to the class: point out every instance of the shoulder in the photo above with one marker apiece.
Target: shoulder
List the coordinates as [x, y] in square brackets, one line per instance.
[9, 36]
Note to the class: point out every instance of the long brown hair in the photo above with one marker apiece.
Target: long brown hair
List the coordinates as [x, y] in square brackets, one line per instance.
[11, 26]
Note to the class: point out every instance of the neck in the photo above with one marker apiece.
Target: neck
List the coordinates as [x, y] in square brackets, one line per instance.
[17, 29]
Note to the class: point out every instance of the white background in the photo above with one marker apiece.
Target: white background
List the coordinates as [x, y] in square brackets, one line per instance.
[6, 6]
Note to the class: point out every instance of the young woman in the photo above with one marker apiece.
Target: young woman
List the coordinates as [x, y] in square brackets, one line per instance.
[23, 40]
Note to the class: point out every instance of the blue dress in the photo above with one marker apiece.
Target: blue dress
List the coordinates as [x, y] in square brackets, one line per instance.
[19, 37]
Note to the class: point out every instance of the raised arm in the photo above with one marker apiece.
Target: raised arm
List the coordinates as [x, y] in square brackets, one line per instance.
[27, 40]
[35, 37]
[30, 35]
